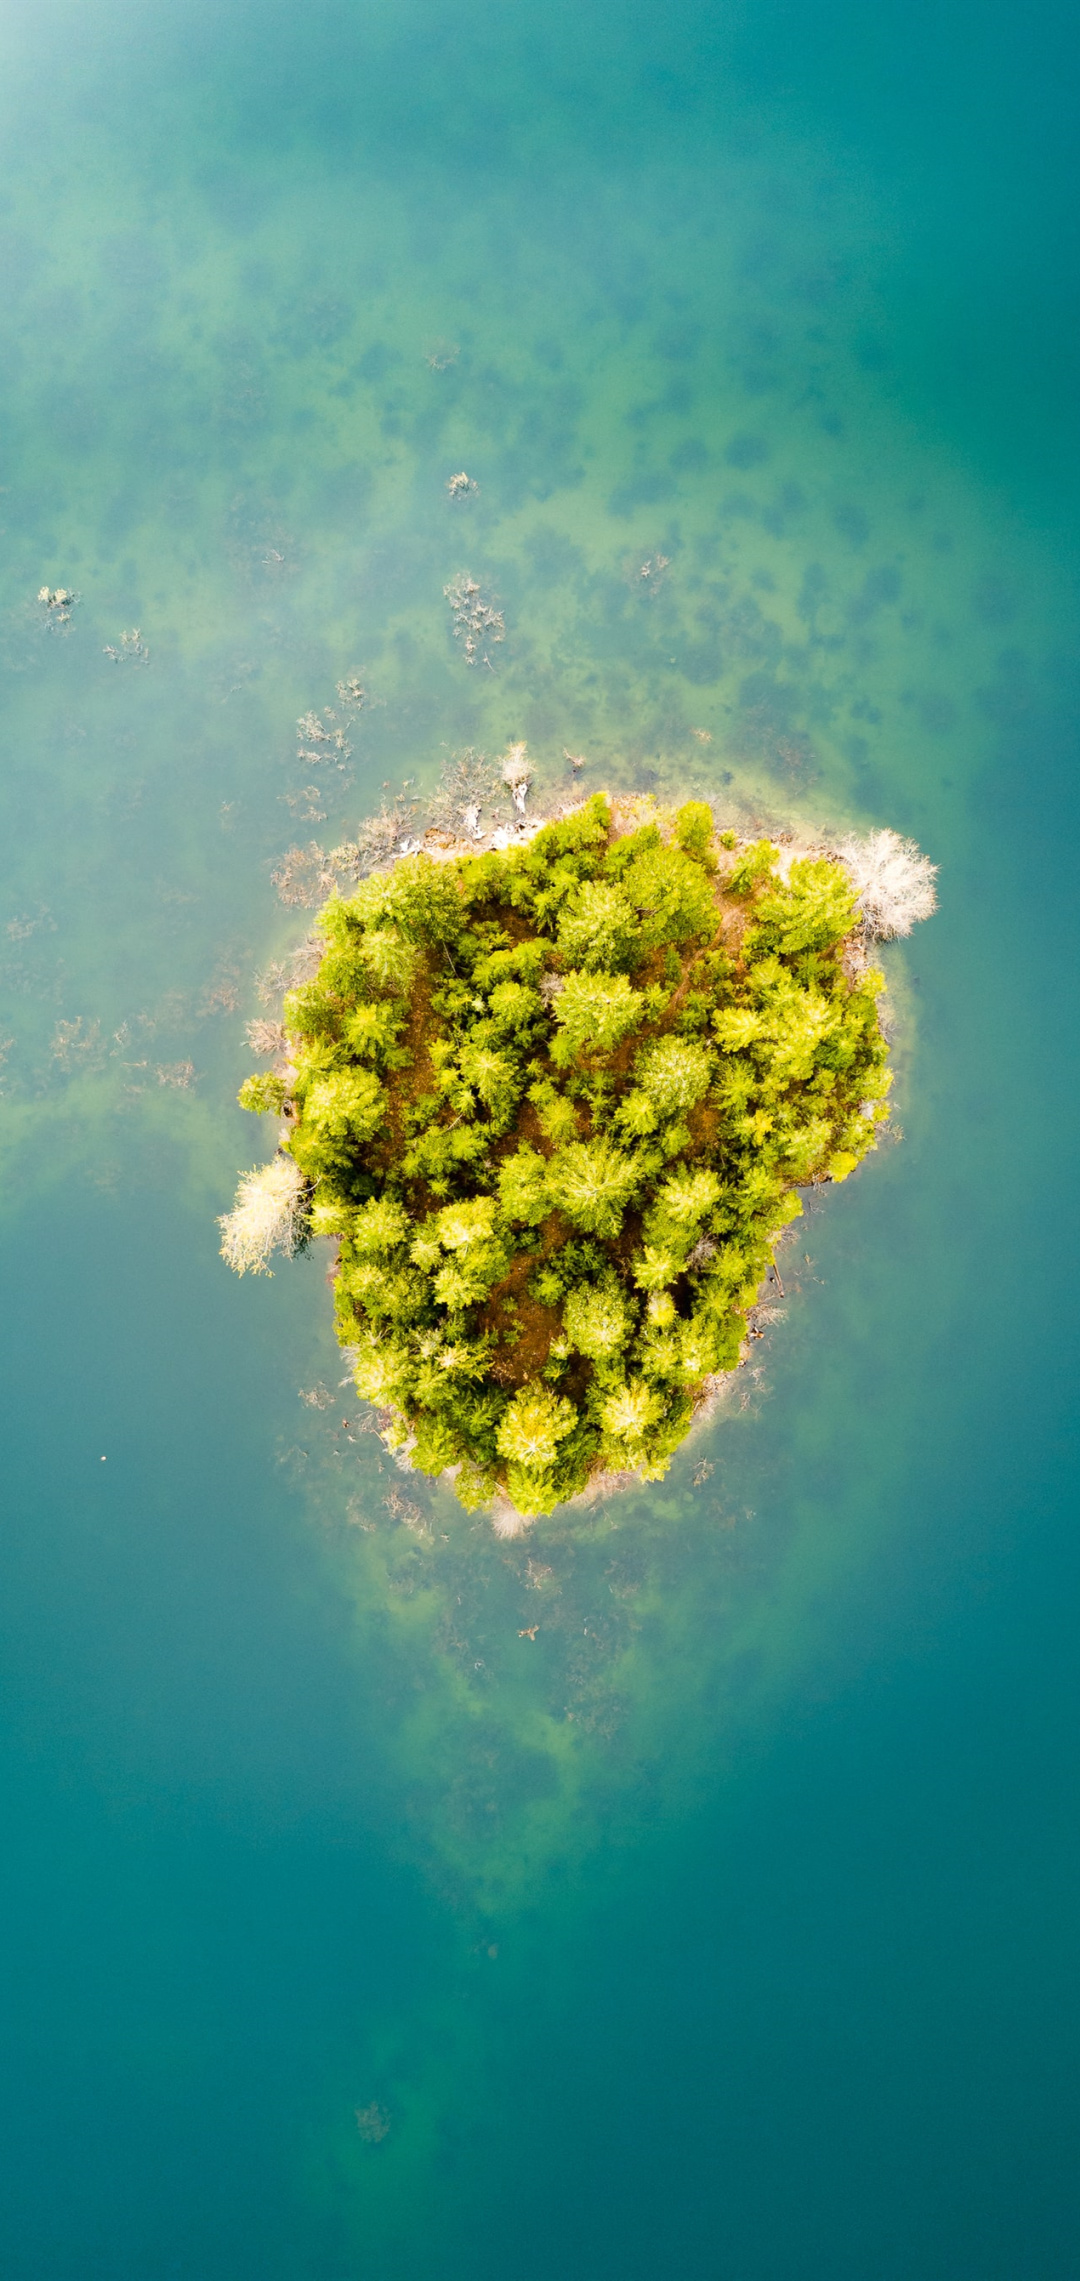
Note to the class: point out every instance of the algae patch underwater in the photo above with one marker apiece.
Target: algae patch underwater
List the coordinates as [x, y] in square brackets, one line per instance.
[554, 1100]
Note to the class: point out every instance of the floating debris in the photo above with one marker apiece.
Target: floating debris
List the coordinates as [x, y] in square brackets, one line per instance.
[517, 774]
[577, 760]
[651, 573]
[442, 354]
[312, 734]
[476, 620]
[58, 600]
[462, 486]
[469, 785]
[702, 1472]
[20, 930]
[310, 727]
[132, 650]
[180, 1076]
[351, 692]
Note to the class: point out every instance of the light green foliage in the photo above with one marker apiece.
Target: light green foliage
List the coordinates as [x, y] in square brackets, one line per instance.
[390, 962]
[379, 1226]
[418, 898]
[436, 1444]
[312, 1013]
[670, 892]
[694, 832]
[752, 865]
[523, 1186]
[558, 1116]
[807, 1146]
[636, 1115]
[628, 1413]
[340, 1112]
[331, 1216]
[467, 1232]
[553, 1104]
[370, 1032]
[463, 1226]
[347, 1106]
[533, 1490]
[492, 1076]
[514, 1007]
[736, 1026]
[598, 928]
[675, 1073]
[593, 1012]
[808, 912]
[381, 1370]
[510, 962]
[657, 1265]
[592, 1183]
[533, 1425]
[263, 1092]
[460, 1284]
[598, 1319]
[685, 1199]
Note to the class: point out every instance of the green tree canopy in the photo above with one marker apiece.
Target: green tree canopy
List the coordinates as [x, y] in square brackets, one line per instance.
[553, 1105]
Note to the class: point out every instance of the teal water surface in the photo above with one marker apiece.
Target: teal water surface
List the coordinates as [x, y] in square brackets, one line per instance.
[691, 1886]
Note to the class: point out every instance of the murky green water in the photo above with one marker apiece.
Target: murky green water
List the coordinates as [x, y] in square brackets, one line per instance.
[689, 1888]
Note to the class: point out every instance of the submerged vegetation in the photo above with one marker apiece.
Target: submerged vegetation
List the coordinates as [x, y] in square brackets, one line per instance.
[554, 1099]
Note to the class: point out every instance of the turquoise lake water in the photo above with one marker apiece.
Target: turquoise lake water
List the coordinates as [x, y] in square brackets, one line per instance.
[728, 1927]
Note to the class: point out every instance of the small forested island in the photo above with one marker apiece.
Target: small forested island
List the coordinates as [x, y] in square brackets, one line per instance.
[554, 1100]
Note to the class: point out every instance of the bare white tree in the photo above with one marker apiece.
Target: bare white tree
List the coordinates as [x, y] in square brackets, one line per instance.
[894, 881]
[265, 1218]
[468, 787]
[266, 1038]
[517, 773]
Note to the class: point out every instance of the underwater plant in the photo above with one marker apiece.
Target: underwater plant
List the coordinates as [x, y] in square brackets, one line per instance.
[553, 1100]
